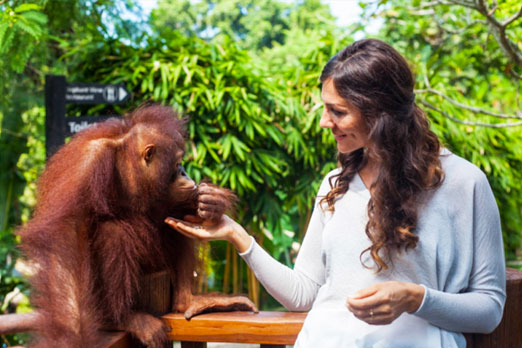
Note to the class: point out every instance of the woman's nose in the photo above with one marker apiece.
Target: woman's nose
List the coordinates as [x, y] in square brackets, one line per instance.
[326, 121]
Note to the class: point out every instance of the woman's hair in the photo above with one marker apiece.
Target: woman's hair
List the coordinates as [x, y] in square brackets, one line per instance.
[377, 80]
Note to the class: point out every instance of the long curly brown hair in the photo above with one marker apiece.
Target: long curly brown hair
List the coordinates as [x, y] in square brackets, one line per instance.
[375, 78]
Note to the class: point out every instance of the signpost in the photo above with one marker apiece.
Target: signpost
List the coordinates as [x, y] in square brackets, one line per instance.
[58, 93]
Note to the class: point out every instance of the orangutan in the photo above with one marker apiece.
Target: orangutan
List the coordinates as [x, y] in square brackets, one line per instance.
[99, 227]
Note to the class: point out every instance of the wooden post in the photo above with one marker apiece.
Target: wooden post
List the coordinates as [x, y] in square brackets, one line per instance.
[193, 344]
[509, 333]
[226, 277]
[156, 294]
[55, 87]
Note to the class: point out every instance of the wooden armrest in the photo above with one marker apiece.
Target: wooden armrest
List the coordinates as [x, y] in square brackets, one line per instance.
[238, 327]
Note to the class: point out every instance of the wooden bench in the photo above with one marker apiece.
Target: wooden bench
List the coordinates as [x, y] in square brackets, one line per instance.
[277, 329]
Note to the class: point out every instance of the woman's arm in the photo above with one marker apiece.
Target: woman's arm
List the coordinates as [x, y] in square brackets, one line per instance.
[479, 307]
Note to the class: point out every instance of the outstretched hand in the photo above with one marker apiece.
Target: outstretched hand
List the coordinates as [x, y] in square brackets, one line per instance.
[382, 303]
[205, 230]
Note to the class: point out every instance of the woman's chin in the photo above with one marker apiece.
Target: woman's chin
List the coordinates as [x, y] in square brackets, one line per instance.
[346, 149]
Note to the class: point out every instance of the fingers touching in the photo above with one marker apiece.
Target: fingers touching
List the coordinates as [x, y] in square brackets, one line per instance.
[384, 302]
[214, 201]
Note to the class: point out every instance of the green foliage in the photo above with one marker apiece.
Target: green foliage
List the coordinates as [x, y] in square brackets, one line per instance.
[31, 163]
[17, 197]
[22, 26]
[8, 278]
[252, 24]
[8, 281]
[12, 186]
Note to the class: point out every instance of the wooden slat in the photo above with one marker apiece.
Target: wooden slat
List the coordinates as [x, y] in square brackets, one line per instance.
[13, 323]
[238, 327]
[156, 293]
[193, 344]
[117, 339]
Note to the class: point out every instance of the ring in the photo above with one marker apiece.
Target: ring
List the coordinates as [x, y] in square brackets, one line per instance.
[197, 227]
[371, 314]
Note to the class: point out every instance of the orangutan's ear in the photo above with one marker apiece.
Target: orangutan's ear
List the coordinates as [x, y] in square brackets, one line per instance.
[148, 152]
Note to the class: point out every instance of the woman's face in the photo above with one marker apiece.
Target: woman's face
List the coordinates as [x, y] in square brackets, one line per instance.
[344, 119]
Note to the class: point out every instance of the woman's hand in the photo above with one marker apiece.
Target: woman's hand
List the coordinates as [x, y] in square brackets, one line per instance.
[223, 229]
[382, 303]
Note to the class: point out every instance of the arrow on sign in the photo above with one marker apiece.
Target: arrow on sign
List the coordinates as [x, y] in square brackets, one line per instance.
[123, 93]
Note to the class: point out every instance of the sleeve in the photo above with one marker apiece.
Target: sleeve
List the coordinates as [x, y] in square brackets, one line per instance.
[295, 289]
[479, 308]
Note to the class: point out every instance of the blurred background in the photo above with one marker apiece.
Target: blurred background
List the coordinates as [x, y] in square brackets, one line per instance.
[246, 73]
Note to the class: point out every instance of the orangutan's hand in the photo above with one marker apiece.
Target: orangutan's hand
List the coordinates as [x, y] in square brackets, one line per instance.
[213, 202]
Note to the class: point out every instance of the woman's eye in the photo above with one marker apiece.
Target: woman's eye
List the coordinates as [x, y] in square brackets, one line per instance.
[336, 112]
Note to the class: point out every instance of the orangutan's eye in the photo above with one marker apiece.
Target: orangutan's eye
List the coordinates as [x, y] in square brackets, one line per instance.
[175, 173]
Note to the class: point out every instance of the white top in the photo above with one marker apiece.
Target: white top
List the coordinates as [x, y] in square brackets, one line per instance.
[459, 259]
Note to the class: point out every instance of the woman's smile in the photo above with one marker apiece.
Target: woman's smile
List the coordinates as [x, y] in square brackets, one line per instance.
[339, 137]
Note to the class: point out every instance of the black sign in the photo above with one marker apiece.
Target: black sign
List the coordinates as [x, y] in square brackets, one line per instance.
[93, 93]
[58, 92]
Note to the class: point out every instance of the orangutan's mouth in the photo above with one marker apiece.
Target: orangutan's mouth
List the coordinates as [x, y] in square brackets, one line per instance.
[189, 189]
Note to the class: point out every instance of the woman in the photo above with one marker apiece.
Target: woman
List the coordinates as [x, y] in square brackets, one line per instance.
[404, 247]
